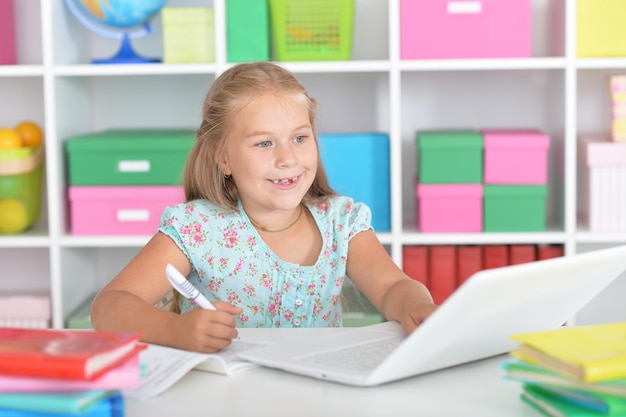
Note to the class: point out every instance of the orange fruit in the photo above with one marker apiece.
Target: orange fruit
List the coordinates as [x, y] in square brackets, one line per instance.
[30, 132]
[9, 138]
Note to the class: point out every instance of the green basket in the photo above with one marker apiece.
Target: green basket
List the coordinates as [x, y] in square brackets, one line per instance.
[21, 172]
[312, 30]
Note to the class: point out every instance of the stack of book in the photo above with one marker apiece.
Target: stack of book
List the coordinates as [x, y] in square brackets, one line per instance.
[50, 372]
[572, 371]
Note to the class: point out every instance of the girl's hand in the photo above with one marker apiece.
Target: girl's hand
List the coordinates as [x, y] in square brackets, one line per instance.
[415, 315]
[206, 331]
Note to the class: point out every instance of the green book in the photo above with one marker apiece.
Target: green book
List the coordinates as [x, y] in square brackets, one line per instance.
[73, 402]
[609, 405]
[523, 371]
[549, 406]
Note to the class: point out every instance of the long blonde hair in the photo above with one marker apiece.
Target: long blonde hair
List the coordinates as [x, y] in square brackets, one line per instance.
[231, 91]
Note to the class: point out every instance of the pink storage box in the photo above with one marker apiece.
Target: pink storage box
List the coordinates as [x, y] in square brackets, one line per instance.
[124, 210]
[607, 186]
[515, 157]
[450, 208]
[25, 310]
[439, 29]
[8, 51]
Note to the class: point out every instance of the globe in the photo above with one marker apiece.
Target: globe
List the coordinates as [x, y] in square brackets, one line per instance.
[118, 19]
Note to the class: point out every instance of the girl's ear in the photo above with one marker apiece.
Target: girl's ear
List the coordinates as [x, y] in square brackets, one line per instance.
[221, 161]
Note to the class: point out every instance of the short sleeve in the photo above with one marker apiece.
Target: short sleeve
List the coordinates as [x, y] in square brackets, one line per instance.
[360, 219]
[348, 217]
[170, 218]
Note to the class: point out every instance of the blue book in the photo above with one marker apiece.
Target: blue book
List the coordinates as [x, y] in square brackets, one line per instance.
[73, 402]
[112, 406]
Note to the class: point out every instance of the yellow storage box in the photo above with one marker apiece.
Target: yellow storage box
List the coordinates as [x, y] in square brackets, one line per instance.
[601, 31]
[188, 35]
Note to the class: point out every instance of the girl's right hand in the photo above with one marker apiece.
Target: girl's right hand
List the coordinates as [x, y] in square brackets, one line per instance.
[206, 331]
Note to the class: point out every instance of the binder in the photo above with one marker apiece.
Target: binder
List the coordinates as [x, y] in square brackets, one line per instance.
[442, 272]
[469, 260]
[519, 254]
[415, 263]
[549, 251]
[495, 256]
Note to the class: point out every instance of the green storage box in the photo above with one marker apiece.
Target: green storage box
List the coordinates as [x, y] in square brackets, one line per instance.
[450, 157]
[514, 208]
[357, 309]
[81, 317]
[247, 30]
[129, 157]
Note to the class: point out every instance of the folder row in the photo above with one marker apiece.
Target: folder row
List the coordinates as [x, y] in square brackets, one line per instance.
[443, 268]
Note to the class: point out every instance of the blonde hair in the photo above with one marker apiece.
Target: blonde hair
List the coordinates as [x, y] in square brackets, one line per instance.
[231, 91]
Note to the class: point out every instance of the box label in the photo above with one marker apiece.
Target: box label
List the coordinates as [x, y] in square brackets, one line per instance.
[134, 166]
[133, 215]
[464, 7]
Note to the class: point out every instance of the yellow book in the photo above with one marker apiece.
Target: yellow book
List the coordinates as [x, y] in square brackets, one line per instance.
[587, 353]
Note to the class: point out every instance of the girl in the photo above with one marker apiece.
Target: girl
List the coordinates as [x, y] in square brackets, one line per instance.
[262, 231]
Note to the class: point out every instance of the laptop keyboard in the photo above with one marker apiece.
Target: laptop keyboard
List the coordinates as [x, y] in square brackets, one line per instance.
[364, 357]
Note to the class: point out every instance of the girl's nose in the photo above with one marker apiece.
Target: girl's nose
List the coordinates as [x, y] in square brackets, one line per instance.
[285, 155]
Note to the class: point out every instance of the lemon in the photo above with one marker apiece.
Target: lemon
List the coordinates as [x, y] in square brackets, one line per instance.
[9, 138]
[13, 216]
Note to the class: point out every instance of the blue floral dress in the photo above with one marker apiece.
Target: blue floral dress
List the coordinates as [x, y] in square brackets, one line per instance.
[231, 262]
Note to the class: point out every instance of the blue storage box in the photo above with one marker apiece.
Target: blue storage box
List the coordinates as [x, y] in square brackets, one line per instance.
[357, 165]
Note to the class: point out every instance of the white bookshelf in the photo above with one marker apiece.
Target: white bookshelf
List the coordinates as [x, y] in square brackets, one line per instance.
[55, 85]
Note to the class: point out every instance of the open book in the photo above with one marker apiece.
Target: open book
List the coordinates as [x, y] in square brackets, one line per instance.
[162, 367]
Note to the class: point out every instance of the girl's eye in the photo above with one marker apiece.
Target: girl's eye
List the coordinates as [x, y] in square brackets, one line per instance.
[264, 144]
[299, 139]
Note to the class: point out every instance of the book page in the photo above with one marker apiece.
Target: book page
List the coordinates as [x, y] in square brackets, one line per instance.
[161, 366]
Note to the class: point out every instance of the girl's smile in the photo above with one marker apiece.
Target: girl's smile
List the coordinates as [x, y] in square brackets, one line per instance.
[285, 181]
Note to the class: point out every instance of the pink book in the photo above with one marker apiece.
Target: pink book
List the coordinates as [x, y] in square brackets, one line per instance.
[125, 376]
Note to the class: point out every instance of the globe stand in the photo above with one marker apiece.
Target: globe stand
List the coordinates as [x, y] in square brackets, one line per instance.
[125, 55]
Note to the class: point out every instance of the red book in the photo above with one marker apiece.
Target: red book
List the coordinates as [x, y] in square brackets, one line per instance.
[415, 263]
[549, 251]
[442, 272]
[520, 254]
[125, 376]
[495, 256]
[64, 354]
[469, 260]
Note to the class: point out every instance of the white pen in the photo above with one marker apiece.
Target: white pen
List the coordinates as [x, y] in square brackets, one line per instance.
[186, 288]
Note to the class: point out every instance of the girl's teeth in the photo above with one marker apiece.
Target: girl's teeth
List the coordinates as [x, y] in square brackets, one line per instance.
[285, 181]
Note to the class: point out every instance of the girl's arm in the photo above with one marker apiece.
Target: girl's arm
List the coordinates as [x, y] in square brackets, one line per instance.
[393, 293]
[129, 303]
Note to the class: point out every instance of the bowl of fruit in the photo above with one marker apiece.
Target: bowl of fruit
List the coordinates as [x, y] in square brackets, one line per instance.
[21, 176]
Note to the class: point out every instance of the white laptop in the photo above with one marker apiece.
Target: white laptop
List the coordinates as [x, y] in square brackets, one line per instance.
[475, 322]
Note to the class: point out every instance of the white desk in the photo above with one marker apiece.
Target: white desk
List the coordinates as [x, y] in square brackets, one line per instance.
[474, 389]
